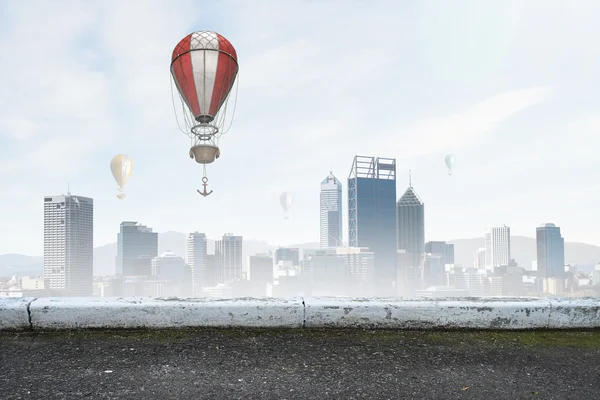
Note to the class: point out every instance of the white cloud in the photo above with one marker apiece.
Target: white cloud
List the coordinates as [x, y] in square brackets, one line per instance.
[92, 80]
[464, 128]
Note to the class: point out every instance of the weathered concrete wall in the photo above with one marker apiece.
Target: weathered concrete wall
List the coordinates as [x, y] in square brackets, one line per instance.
[13, 313]
[574, 313]
[428, 314]
[390, 313]
[69, 313]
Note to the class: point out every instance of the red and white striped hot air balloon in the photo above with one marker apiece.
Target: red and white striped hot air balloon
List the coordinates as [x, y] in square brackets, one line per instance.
[204, 67]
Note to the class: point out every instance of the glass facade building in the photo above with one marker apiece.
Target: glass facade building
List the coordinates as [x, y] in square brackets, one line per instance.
[372, 212]
[550, 252]
[331, 212]
[137, 245]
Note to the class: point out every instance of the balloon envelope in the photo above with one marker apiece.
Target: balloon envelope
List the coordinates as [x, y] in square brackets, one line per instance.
[286, 200]
[121, 166]
[450, 161]
[204, 66]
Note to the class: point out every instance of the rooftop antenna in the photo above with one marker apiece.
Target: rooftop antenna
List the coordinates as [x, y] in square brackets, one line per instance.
[68, 188]
[409, 179]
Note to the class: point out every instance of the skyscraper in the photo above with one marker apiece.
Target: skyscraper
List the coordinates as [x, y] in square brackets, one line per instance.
[290, 254]
[260, 267]
[331, 212]
[172, 270]
[137, 245]
[550, 252]
[228, 255]
[442, 249]
[69, 244]
[497, 247]
[372, 213]
[479, 258]
[410, 225]
[196, 259]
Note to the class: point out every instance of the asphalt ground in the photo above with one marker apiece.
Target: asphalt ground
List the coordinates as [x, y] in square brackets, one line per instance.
[299, 364]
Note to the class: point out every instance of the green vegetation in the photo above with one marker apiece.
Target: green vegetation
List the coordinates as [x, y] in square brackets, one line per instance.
[578, 339]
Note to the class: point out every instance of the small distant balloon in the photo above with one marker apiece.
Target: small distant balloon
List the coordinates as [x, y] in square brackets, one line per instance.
[286, 200]
[450, 161]
[121, 166]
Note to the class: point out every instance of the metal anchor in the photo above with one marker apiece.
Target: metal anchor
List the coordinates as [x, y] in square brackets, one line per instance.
[204, 184]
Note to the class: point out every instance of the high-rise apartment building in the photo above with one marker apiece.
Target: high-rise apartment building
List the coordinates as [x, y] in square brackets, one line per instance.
[331, 212]
[69, 244]
[497, 247]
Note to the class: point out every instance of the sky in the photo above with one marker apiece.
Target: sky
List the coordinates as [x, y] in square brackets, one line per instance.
[508, 87]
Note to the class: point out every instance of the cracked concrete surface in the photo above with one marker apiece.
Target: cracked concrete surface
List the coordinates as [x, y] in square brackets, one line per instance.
[380, 313]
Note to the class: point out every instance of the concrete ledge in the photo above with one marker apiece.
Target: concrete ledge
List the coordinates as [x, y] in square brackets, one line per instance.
[375, 313]
[14, 313]
[477, 313]
[76, 313]
[574, 313]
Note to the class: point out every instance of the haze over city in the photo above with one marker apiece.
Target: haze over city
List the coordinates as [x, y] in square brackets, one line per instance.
[510, 90]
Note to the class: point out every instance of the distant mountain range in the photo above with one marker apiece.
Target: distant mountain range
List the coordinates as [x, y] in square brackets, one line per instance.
[523, 250]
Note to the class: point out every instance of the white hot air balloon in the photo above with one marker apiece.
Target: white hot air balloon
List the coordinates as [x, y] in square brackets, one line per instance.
[121, 166]
[286, 199]
[450, 161]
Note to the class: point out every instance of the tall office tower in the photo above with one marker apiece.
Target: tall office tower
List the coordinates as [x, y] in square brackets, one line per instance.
[479, 258]
[550, 252]
[410, 225]
[341, 272]
[287, 254]
[441, 249]
[228, 253]
[69, 244]
[261, 268]
[488, 251]
[196, 259]
[137, 245]
[172, 269]
[497, 247]
[372, 214]
[331, 212]
[434, 272]
[212, 271]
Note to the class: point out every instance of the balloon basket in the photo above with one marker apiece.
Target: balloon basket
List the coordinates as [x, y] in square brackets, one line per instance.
[205, 153]
[121, 193]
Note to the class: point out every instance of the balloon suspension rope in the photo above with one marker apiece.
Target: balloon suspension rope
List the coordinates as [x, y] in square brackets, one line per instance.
[204, 193]
[121, 192]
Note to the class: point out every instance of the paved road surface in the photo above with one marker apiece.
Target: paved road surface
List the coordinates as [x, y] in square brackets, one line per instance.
[299, 364]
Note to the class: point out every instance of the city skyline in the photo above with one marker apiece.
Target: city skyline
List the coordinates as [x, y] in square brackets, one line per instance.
[500, 93]
[383, 256]
[409, 196]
